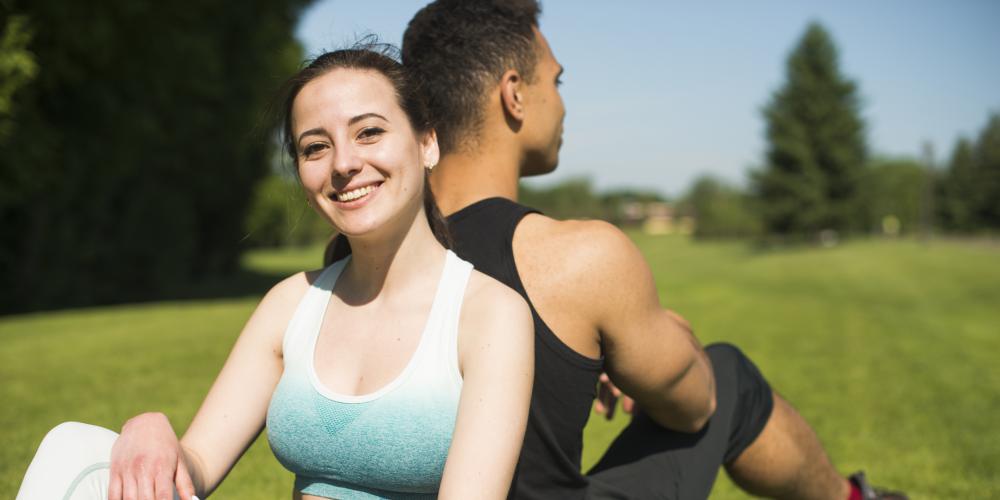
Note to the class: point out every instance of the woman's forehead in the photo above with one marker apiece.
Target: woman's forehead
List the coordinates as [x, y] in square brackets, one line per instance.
[344, 93]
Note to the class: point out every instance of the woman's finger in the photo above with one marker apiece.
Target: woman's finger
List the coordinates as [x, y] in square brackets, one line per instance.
[145, 482]
[185, 486]
[164, 485]
[115, 486]
[130, 489]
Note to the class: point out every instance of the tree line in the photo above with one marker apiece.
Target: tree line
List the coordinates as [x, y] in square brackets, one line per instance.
[129, 142]
[135, 156]
[819, 177]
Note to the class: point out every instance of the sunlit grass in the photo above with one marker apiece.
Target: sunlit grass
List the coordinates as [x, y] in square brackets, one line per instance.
[887, 347]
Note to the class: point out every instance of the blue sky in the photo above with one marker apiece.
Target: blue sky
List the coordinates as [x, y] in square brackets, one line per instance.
[660, 92]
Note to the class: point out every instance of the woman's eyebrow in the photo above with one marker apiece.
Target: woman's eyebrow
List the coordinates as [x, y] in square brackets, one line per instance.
[352, 121]
[358, 118]
[312, 131]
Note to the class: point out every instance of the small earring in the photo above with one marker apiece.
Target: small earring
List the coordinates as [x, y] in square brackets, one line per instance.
[430, 166]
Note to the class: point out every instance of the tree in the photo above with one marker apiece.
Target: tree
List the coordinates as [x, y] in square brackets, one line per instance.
[17, 66]
[987, 173]
[720, 210]
[133, 155]
[575, 198]
[571, 198]
[893, 190]
[956, 190]
[279, 216]
[816, 151]
[970, 187]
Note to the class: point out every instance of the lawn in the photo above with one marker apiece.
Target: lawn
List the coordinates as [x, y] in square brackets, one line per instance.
[885, 346]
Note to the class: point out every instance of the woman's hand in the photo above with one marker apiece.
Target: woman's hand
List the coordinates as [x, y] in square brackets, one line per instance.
[147, 462]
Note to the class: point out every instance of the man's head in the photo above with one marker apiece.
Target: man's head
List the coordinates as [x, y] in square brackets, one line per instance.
[462, 52]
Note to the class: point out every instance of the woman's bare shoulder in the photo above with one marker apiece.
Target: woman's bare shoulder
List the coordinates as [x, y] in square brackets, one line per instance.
[490, 299]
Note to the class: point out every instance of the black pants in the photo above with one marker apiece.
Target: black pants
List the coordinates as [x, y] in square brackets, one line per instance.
[649, 461]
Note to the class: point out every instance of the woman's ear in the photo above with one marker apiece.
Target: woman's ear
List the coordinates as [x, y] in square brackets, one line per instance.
[430, 153]
[511, 97]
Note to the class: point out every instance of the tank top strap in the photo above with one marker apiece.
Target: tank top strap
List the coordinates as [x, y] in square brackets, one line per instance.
[486, 229]
[443, 346]
[309, 314]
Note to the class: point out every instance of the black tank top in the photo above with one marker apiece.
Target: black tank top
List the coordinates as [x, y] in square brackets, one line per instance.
[565, 381]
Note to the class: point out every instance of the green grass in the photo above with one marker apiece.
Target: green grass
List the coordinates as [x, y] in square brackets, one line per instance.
[888, 348]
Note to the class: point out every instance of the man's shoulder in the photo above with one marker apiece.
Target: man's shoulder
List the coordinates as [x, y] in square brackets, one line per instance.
[571, 241]
[580, 275]
[575, 262]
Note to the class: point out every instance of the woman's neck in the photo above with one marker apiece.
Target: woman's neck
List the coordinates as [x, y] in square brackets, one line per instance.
[381, 263]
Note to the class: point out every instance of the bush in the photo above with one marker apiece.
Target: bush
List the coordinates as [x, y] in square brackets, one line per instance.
[721, 210]
[129, 157]
[279, 216]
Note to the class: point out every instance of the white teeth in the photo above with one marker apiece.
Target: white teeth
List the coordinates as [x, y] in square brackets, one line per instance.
[354, 193]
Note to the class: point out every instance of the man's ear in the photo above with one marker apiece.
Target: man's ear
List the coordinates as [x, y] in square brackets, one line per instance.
[511, 95]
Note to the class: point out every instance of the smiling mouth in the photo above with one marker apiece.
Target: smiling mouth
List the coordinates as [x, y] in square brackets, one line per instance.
[356, 194]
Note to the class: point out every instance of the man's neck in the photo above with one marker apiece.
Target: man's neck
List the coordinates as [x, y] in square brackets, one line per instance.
[463, 178]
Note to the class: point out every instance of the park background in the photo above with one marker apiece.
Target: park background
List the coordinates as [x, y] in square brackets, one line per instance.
[819, 184]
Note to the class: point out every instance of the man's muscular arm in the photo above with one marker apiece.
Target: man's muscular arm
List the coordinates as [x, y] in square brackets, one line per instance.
[606, 284]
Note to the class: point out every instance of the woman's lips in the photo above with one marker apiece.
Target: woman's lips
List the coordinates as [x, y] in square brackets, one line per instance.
[356, 196]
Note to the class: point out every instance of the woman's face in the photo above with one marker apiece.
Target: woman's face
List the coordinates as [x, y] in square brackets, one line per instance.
[358, 158]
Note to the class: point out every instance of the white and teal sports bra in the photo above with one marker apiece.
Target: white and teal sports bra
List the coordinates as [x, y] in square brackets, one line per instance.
[391, 443]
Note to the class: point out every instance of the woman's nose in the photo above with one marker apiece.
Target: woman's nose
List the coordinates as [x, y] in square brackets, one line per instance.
[346, 162]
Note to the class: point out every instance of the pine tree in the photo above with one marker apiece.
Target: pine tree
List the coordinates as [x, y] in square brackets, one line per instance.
[816, 152]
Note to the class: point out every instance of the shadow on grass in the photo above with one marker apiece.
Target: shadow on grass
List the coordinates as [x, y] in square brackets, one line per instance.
[259, 270]
[243, 283]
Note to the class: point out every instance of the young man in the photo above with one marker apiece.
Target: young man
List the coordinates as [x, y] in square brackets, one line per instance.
[491, 83]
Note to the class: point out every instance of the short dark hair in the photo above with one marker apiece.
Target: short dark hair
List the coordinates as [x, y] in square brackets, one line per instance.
[457, 49]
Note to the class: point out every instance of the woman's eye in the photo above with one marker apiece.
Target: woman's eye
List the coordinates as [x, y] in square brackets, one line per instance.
[369, 133]
[313, 149]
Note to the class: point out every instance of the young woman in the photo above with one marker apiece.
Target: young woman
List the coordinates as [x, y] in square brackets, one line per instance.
[396, 371]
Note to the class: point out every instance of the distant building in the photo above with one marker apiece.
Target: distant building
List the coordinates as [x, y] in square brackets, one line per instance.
[655, 217]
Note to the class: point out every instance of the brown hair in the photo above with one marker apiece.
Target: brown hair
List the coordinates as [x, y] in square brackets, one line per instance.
[367, 54]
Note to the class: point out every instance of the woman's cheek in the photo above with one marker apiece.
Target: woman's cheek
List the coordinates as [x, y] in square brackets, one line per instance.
[311, 182]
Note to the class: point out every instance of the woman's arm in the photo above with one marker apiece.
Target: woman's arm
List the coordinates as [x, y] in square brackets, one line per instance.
[147, 459]
[496, 357]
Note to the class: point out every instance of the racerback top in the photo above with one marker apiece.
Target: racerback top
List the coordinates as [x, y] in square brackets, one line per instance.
[565, 381]
[391, 443]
